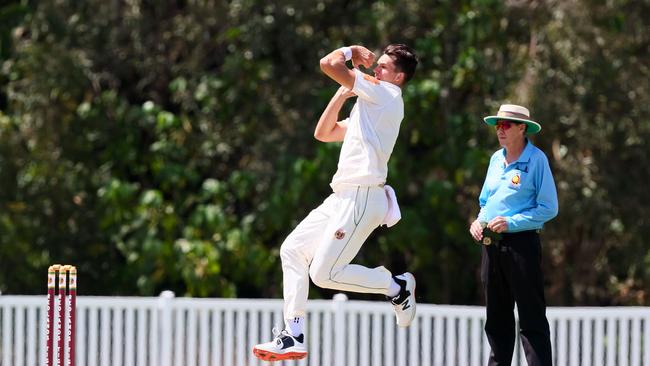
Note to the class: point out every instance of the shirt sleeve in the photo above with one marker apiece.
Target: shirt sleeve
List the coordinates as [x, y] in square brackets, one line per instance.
[482, 200]
[370, 89]
[485, 194]
[547, 205]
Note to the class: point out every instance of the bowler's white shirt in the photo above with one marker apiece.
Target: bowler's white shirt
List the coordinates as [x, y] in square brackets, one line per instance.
[372, 130]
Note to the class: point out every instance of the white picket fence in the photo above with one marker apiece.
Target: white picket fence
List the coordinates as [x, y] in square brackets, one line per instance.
[169, 331]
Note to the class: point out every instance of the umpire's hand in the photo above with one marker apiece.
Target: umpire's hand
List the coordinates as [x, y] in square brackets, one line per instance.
[498, 224]
[476, 229]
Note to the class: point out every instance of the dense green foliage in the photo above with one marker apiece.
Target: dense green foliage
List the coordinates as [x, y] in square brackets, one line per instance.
[168, 145]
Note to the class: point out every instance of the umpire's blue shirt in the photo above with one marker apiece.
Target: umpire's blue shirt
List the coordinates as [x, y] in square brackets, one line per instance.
[523, 191]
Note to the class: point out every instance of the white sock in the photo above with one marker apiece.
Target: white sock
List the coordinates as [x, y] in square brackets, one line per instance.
[295, 326]
[393, 289]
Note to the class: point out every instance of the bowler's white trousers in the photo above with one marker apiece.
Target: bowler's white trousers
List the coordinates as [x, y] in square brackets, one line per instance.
[325, 242]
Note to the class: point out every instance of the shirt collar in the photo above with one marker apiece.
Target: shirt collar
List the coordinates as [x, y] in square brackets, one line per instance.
[392, 86]
[524, 157]
[382, 82]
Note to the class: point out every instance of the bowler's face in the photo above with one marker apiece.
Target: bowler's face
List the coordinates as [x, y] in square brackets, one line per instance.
[385, 70]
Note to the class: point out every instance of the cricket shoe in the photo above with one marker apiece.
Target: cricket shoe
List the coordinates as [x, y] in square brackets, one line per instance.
[283, 347]
[404, 302]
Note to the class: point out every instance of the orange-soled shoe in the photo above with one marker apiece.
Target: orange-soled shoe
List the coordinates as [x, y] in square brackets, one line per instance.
[283, 347]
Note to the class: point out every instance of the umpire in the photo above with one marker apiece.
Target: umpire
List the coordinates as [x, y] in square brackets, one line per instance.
[517, 198]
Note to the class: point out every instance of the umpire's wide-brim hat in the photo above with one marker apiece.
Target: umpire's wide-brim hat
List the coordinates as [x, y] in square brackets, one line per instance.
[514, 113]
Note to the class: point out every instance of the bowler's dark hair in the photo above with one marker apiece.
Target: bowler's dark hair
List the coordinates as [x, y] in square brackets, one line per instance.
[404, 58]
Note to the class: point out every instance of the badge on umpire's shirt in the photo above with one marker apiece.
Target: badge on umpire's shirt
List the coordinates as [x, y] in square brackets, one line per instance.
[339, 234]
[515, 181]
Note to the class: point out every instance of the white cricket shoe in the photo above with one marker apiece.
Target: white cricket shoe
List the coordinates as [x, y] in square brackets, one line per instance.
[284, 346]
[404, 302]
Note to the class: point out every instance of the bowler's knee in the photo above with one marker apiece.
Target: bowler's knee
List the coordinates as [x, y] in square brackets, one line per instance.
[288, 250]
[320, 276]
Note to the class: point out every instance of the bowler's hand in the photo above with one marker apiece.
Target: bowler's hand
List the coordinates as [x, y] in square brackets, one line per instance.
[362, 56]
[344, 92]
[498, 224]
[476, 230]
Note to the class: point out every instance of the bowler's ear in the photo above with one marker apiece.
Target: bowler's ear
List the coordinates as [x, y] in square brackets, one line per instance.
[400, 78]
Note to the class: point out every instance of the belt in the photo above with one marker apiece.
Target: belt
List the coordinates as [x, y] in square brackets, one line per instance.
[491, 237]
[520, 233]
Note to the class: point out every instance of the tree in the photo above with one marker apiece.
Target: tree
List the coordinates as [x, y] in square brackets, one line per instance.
[169, 146]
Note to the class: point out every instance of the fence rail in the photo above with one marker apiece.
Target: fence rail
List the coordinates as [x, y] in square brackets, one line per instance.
[169, 331]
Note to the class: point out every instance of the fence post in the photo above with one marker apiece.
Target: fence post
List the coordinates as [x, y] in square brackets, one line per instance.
[7, 335]
[338, 305]
[165, 307]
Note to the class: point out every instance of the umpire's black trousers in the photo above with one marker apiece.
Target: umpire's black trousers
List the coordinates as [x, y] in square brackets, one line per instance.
[511, 271]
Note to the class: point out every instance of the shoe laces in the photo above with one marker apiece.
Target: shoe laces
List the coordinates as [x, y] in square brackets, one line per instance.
[277, 333]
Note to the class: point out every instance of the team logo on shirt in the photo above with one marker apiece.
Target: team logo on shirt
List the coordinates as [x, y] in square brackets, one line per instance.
[339, 234]
[516, 179]
[371, 79]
